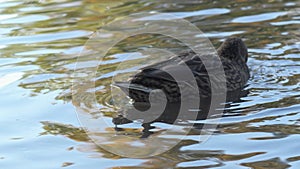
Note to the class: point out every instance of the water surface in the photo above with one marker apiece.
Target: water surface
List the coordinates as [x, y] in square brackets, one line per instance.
[39, 45]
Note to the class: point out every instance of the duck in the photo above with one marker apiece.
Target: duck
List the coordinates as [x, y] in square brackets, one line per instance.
[233, 54]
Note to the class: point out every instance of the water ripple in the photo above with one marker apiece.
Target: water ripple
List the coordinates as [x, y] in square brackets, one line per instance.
[47, 37]
[258, 17]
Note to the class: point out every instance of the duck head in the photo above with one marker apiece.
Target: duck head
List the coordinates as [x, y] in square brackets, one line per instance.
[234, 49]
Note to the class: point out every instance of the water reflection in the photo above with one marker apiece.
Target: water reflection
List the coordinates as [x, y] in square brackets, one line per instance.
[171, 115]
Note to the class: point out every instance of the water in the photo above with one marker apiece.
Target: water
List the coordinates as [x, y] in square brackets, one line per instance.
[39, 45]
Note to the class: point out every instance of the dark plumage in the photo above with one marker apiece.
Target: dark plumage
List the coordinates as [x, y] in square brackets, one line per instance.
[232, 53]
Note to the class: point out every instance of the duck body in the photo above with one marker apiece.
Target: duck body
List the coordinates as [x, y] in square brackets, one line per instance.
[232, 53]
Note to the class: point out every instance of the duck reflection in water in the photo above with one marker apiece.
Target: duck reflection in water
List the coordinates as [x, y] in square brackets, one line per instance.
[233, 55]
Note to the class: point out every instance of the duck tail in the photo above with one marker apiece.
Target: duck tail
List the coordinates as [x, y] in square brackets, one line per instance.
[126, 87]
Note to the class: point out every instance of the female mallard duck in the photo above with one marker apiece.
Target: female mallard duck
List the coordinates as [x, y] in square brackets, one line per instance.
[232, 53]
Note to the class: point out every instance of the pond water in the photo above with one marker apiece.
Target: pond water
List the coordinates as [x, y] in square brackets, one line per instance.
[41, 41]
